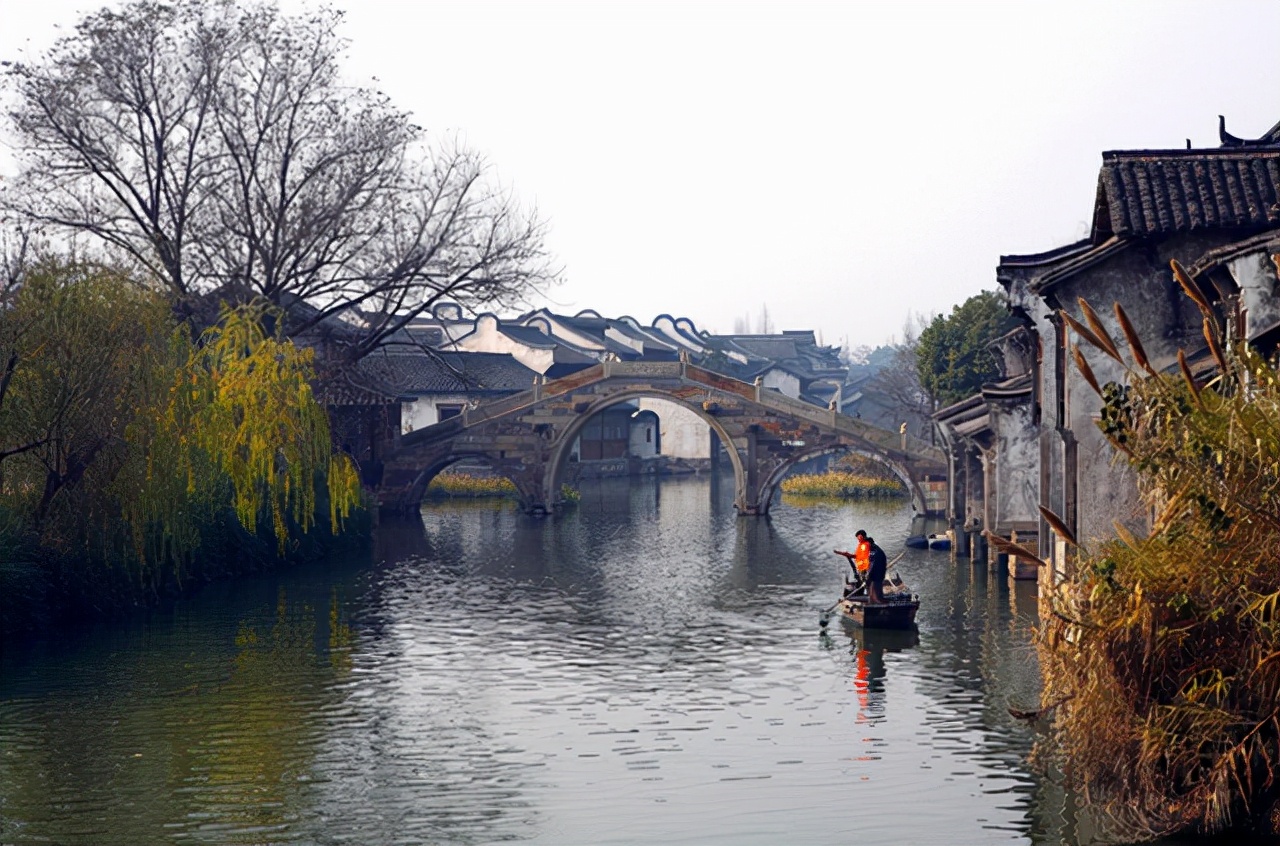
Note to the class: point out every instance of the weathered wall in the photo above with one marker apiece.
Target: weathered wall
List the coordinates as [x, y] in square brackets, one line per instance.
[684, 433]
[1165, 319]
[1256, 276]
[644, 438]
[1017, 470]
[425, 411]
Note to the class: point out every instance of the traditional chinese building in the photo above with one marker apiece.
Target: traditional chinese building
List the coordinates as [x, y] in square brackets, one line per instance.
[1217, 212]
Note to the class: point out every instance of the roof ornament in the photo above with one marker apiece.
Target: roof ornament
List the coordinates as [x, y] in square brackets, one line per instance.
[1227, 139]
[1270, 139]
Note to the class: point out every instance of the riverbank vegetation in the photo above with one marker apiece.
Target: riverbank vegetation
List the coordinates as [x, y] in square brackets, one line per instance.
[1161, 653]
[207, 190]
[135, 458]
[851, 477]
[461, 485]
[449, 485]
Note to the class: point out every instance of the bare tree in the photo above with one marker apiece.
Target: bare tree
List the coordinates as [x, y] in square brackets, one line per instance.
[215, 145]
[898, 383]
[766, 325]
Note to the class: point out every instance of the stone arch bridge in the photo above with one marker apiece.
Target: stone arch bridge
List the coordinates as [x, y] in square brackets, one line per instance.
[528, 437]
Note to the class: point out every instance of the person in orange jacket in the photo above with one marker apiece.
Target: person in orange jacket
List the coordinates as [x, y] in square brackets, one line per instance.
[862, 553]
[860, 558]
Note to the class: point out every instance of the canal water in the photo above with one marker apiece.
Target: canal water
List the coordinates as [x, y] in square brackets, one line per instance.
[647, 668]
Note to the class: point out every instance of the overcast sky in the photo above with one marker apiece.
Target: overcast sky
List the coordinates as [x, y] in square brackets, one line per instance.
[843, 165]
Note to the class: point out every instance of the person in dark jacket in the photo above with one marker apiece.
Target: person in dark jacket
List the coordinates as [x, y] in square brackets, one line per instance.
[876, 573]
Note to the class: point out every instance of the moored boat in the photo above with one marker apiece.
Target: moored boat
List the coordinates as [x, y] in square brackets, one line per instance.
[937, 540]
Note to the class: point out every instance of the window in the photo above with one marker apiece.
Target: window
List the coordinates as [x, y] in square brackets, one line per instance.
[447, 411]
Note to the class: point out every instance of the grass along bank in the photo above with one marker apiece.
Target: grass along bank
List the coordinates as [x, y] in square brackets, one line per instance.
[466, 486]
[852, 477]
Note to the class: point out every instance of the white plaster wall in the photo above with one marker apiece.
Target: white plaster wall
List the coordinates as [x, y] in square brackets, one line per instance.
[684, 433]
[784, 382]
[626, 340]
[548, 325]
[487, 338]
[643, 439]
[1256, 276]
[667, 326]
[424, 411]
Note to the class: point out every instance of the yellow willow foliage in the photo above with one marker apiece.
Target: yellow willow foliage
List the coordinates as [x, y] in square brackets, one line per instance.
[241, 413]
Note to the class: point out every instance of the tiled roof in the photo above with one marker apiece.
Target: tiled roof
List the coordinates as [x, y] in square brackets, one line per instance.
[416, 337]
[653, 346]
[568, 354]
[1152, 192]
[527, 335]
[765, 346]
[564, 354]
[406, 374]
[595, 327]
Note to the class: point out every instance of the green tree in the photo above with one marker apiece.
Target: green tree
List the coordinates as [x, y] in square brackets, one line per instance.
[122, 439]
[953, 358]
[74, 340]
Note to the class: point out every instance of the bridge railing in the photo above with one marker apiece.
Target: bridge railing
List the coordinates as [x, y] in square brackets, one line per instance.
[883, 439]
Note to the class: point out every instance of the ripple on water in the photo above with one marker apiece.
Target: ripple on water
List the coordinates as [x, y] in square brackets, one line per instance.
[648, 669]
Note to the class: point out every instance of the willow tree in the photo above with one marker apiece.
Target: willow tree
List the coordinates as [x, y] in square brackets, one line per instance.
[238, 414]
[1161, 653]
[123, 439]
[74, 340]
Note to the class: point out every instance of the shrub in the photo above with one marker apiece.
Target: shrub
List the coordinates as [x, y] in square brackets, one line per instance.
[839, 484]
[1161, 654]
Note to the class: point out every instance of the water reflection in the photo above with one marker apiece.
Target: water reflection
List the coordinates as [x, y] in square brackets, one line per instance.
[867, 649]
[641, 669]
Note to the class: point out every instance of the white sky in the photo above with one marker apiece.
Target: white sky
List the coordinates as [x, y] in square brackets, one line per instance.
[843, 164]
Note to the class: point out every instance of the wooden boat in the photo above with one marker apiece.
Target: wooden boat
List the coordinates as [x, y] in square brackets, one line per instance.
[898, 611]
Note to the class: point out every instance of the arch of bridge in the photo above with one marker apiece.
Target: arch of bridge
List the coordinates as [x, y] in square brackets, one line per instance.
[770, 487]
[563, 442]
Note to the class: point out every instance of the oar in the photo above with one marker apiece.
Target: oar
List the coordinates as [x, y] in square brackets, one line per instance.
[895, 560]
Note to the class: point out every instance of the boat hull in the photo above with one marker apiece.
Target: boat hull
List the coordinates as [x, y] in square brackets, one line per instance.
[893, 613]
